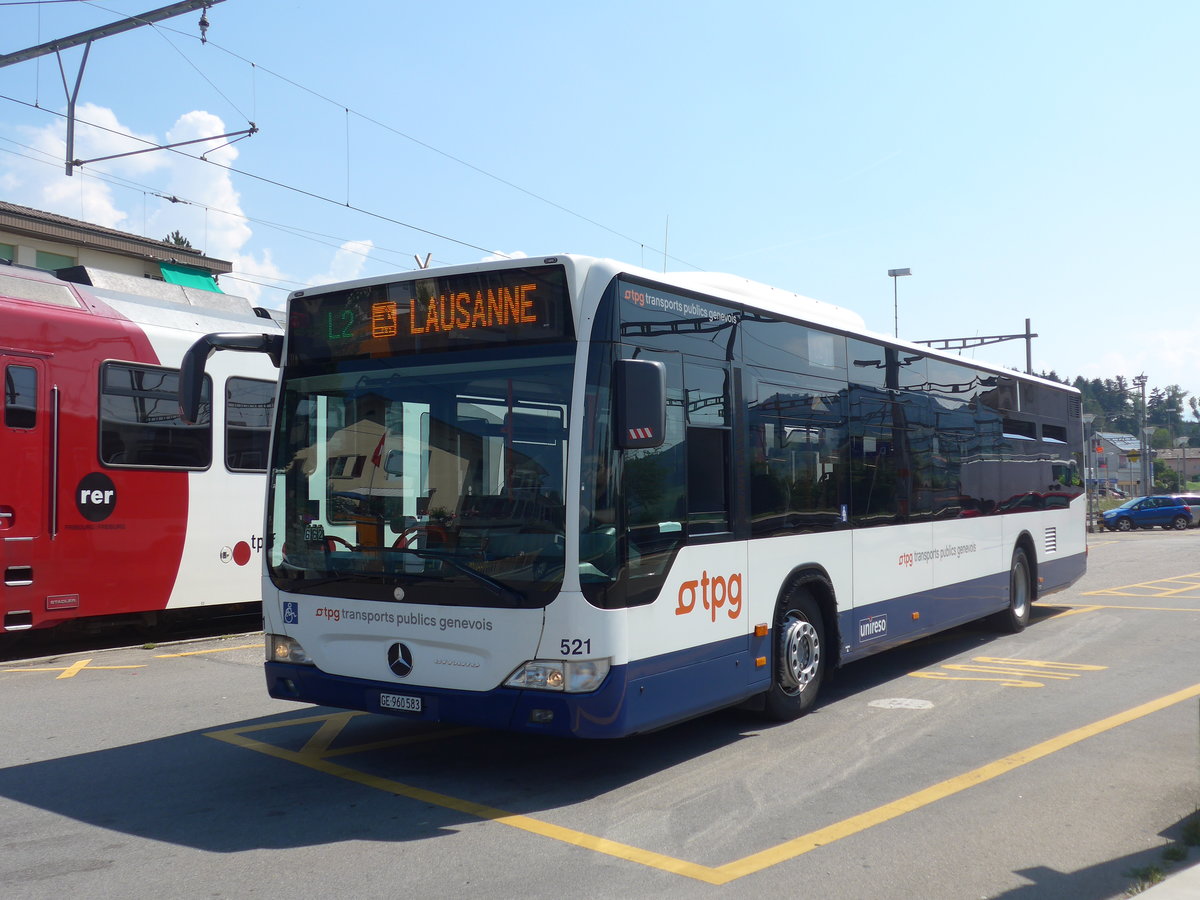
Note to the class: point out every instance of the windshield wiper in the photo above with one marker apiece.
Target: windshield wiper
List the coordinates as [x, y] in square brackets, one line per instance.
[497, 587]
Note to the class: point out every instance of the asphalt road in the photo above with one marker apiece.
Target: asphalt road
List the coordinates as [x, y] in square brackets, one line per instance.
[1060, 762]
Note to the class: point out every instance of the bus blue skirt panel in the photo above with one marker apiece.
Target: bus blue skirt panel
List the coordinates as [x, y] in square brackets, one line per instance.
[876, 627]
[638, 697]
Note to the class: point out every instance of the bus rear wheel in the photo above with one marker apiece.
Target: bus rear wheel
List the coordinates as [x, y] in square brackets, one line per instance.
[799, 656]
[1020, 594]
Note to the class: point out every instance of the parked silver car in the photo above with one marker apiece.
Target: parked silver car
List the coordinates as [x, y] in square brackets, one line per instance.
[1193, 503]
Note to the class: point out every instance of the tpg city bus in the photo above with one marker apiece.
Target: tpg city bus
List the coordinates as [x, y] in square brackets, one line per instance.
[574, 497]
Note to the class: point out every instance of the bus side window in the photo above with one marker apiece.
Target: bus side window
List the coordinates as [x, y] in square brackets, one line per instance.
[708, 435]
[797, 455]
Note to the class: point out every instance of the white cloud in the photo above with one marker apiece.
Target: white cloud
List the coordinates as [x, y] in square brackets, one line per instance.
[210, 216]
[347, 263]
[38, 180]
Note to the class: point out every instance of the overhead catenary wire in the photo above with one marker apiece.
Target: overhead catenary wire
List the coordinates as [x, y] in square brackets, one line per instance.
[275, 183]
[372, 120]
[328, 240]
[408, 137]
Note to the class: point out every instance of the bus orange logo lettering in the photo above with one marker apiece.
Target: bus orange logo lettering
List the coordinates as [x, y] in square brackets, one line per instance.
[713, 594]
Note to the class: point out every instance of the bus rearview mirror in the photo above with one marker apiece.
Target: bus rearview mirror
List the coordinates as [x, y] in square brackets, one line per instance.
[641, 403]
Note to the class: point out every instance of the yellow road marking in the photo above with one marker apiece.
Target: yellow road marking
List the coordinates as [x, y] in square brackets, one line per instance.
[468, 807]
[951, 786]
[1006, 682]
[202, 652]
[1014, 672]
[318, 760]
[1092, 607]
[319, 743]
[72, 670]
[1072, 670]
[1150, 588]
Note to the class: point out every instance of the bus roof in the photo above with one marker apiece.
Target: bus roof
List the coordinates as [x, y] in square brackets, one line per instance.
[734, 289]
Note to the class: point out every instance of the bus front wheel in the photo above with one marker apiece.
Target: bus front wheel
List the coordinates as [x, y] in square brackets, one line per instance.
[799, 656]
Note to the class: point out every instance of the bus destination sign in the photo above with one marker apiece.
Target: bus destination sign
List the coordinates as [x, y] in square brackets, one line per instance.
[479, 309]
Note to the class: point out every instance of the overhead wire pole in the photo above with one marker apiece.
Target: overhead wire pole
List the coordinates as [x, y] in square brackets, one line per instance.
[85, 38]
[969, 343]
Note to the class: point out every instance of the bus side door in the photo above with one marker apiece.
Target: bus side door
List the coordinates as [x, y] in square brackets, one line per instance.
[24, 476]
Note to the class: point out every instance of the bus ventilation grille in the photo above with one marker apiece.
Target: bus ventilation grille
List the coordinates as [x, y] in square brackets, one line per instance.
[1051, 540]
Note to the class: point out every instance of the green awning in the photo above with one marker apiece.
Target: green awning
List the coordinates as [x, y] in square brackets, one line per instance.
[189, 276]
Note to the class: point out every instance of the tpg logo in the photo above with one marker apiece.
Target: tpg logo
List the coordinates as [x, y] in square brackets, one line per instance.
[333, 615]
[714, 592]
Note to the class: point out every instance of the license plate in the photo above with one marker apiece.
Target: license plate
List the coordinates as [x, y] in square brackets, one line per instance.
[401, 702]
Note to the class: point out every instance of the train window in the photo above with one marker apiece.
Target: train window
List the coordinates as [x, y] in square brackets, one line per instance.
[139, 420]
[20, 396]
[248, 405]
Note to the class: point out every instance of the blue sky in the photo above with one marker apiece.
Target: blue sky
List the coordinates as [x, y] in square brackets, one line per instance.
[1026, 160]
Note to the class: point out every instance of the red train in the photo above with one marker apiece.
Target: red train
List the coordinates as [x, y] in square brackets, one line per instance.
[110, 506]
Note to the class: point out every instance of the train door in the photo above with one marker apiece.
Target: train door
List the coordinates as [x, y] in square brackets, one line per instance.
[24, 483]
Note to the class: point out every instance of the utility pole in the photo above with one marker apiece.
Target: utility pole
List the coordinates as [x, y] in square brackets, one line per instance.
[85, 38]
[972, 342]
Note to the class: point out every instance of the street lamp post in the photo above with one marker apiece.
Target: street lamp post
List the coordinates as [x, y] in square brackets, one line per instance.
[1089, 471]
[895, 274]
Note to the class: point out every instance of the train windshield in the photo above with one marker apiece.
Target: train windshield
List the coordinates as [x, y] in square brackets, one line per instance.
[439, 481]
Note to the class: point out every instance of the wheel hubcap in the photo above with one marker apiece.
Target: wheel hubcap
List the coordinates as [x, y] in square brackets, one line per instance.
[1020, 590]
[799, 653]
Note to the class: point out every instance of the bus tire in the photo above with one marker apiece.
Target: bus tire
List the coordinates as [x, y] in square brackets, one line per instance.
[799, 637]
[1020, 594]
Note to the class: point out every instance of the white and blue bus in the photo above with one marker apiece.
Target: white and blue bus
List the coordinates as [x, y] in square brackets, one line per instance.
[573, 497]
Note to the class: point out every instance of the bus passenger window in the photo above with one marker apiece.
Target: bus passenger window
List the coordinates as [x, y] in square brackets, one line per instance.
[707, 448]
[20, 397]
[708, 495]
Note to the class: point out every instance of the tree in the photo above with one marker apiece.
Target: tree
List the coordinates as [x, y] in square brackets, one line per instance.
[178, 240]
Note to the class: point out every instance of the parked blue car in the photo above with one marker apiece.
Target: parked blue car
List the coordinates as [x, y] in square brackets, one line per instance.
[1146, 512]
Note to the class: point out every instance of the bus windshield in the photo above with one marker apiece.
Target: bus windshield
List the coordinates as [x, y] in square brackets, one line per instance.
[422, 480]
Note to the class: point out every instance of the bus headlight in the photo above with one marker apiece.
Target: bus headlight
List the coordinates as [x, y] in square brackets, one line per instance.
[569, 676]
[281, 648]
